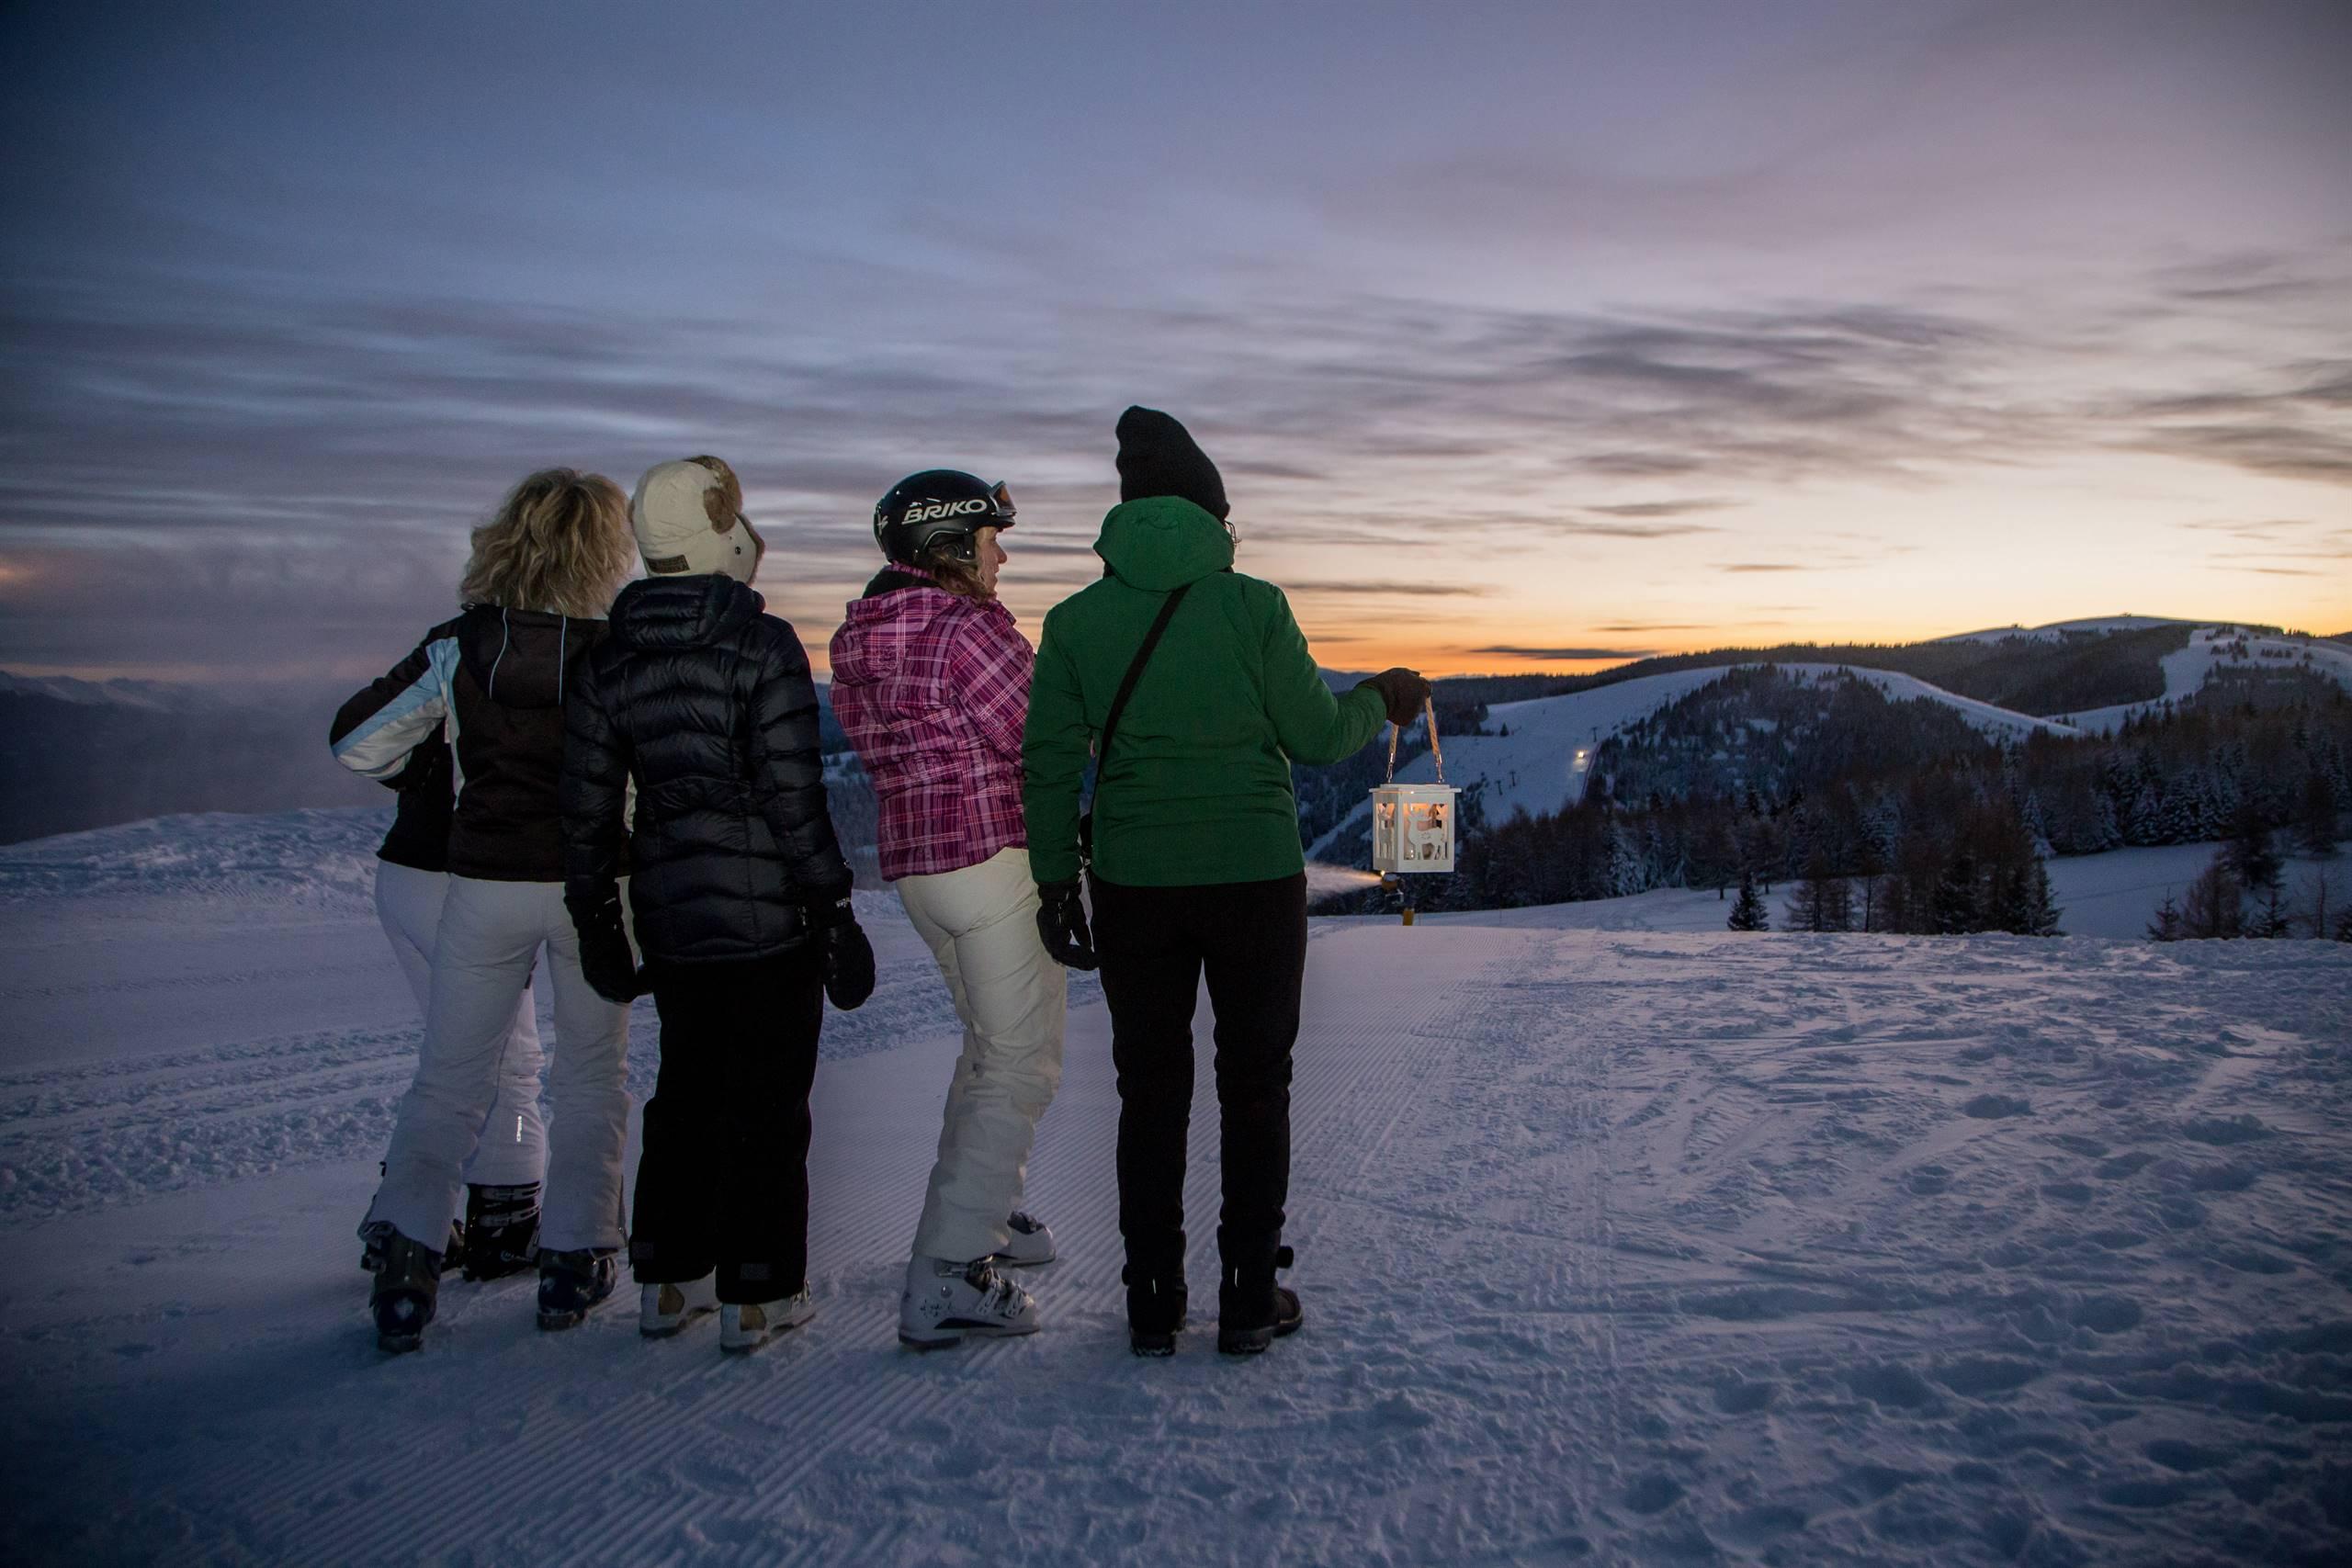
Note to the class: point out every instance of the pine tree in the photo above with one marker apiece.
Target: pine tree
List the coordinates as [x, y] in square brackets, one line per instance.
[2272, 923]
[2041, 911]
[2252, 860]
[2165, 927]
[1748, 913]
[1718, 856]
[2213, 906]
[2316, 828]
[1957, 909]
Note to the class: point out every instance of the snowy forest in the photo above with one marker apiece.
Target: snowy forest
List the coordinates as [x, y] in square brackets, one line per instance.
[1874, 814]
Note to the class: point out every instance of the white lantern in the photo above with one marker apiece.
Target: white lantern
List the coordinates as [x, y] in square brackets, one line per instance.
[1412, 825]
[1412, 828]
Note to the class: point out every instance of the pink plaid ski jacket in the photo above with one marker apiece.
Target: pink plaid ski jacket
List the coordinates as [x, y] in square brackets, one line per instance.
[933, 690]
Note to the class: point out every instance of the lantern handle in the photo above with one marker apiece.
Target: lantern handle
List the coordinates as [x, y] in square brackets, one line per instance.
[1429, 712]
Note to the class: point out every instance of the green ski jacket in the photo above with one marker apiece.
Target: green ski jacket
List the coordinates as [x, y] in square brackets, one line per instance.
[1198, 788]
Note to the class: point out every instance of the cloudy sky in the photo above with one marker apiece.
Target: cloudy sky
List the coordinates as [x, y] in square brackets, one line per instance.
[1526, 336]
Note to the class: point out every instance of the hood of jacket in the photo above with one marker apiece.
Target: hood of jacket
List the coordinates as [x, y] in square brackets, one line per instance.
[683, 612]
[879, 630]
[1163, 542]
[522, 659]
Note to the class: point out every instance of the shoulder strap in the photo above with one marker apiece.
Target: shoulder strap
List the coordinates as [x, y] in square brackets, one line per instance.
[1135, 673]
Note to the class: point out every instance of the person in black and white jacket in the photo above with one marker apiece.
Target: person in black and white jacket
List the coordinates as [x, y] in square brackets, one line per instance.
[492, 682]
[502, 1178]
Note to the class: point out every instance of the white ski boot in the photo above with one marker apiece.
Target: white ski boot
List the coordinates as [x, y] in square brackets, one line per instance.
[945, 1299]
[1029, 1245]
[743, 1329]
[663, 1309]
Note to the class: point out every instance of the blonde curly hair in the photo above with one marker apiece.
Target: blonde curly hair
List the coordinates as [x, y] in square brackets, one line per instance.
[559, 541]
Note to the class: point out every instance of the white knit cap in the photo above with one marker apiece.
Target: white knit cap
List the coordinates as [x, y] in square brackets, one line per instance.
[688, 518]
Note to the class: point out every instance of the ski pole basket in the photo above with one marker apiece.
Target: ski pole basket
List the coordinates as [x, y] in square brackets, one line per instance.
[1412, 825]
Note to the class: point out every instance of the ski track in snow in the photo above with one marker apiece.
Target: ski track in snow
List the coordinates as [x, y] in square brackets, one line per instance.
[1616, 1247]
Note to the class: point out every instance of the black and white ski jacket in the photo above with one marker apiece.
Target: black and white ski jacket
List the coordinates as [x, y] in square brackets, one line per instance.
[492, 682]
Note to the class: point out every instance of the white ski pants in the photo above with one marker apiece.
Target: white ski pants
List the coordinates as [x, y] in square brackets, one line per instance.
[489, 936]
[513, 1148]
[981, 924]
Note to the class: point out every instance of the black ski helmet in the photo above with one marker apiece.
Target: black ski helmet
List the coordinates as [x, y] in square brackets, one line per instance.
[939, 509]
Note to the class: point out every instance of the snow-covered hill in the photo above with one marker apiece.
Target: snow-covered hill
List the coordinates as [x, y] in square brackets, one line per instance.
[1621, 1247]
[1542, 763]
[2212, 649]
[2058, 630]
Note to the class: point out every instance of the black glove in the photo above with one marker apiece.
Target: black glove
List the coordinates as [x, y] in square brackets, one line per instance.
[604, 957]
[1061, 925]
[1403, 692]
[847, 956]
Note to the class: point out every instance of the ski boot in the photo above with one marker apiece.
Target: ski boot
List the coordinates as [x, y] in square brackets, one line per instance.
[665, 1309]
[408, 1283]
[1156, 1305]
[744, 1326]
[572, 1284]
[372, 1243]
[944, 1300]
[1252, 1312]
[1029, 1245]
[501, 1233]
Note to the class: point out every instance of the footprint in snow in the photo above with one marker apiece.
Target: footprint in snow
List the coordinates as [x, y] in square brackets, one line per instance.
[2223, 1131]
[2107, 1315]
[1652, 1494]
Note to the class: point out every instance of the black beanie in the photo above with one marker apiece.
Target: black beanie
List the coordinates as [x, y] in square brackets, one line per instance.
[1158, 457]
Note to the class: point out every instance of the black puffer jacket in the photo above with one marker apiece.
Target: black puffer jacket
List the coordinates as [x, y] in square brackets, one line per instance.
[706, 703]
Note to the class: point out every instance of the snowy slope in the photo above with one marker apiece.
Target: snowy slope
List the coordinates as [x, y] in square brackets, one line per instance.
[1616, 1247]
[2211, 648]
[1542, 765]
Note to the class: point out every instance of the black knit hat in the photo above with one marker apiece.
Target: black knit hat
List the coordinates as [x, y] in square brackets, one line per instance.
[1158, 457]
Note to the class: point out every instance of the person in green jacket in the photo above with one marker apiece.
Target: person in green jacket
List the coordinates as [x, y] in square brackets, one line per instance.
[1196, 865]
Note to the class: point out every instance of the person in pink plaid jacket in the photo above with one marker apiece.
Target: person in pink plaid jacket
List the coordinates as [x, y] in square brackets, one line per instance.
[931, 680]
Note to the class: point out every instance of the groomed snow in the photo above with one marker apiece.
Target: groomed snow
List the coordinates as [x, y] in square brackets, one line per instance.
[1616, 1247]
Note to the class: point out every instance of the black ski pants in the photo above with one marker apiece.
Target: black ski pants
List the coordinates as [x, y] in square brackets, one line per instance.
[1154, 944]
[723, 1179]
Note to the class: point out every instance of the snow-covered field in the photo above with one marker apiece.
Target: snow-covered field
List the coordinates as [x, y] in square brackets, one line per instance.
[1617, 1245]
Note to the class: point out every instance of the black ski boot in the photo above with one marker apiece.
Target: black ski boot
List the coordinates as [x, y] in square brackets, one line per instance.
[1252, 1312]
[1155, 1300]
[502, 1230]
[372, 1243]
[407, 1285]
[573, 1283]
[373, 1232]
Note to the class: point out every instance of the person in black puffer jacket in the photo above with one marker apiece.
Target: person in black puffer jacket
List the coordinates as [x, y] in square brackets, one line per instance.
[741, 896]
[492, 682]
